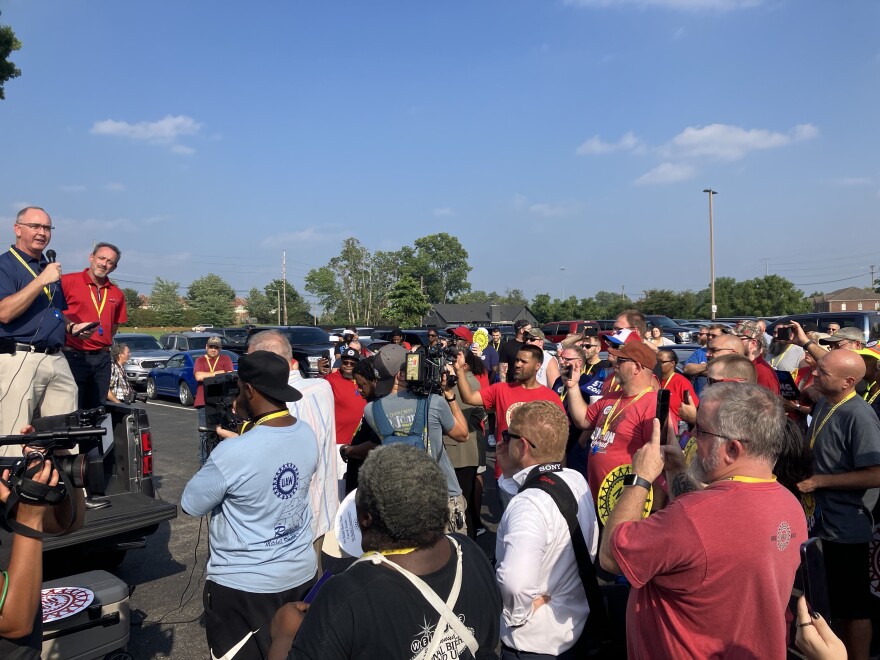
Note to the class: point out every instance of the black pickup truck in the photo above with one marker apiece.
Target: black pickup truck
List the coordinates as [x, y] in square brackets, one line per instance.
[308, 344]
[134, 512]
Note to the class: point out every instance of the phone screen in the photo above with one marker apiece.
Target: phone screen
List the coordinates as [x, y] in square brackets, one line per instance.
[815, 581]
[663, 412]
[783, 334]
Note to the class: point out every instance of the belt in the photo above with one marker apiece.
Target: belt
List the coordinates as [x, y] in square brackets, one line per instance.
[97, 351]
[30, 348]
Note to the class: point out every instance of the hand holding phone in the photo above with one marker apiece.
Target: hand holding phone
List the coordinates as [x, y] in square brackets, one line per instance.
[86, 328]
[662, 413]
[815, 580]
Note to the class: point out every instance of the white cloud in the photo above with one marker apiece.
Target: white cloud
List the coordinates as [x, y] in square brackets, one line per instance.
[680, 5]
[73, 188]
[165, 131]
[667, 173]
[308, 236]
[114, 187]
[726, 142]
[854, 181]
[443, 211]
[595, 145]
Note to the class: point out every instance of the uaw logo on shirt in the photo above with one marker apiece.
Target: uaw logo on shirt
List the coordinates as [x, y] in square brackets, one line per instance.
[783, 536]
[611, 489]
[285, 482]
[511, 409]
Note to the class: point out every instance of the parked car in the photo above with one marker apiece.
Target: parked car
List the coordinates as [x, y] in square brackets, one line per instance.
[412, 336]
[867, 323]
[186, 341]
[146, 354]
[234, 339]
[556, 331]
[308, 344]
[677, 333]
[364, 332]
[176, 378]
[202, 327]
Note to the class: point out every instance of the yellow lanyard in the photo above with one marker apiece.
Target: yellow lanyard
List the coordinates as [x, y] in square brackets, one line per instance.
[666, 384]
[274, 415]
[401, 551]
[611, 416]
[211, 367]
[589, 371]
[818, 428]
[31, 271]
[103, 300]
[779, 358]
[750, 480]
[873, 396]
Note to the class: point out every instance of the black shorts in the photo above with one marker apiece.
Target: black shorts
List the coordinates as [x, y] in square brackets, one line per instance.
[847, 573]
[241, 619]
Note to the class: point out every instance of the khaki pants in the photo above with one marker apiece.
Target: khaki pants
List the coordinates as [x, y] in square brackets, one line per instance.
[31, 382]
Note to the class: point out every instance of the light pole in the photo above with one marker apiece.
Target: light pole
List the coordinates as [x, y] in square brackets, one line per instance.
[711, 251]
[563, 282]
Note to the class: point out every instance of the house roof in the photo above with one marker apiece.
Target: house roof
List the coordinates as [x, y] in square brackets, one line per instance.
[854, 293]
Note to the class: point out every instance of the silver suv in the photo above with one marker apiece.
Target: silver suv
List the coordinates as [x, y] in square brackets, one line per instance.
[146, 354]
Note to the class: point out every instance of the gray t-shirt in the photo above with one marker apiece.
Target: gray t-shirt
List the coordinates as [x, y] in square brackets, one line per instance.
[400, 408]
[849, 441]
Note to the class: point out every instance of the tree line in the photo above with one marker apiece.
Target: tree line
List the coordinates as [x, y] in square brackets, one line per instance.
[360, 287]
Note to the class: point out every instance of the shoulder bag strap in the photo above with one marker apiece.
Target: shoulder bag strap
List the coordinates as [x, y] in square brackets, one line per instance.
[444, 609]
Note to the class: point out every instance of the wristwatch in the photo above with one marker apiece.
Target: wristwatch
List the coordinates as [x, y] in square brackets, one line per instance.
[636, 480]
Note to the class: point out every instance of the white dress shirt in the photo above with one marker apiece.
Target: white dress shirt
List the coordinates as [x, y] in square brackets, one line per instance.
[318, 409]
[535, 557]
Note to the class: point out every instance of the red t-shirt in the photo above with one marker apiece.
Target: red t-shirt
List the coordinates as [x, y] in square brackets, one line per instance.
[85, 300]
[349, 407]
[677, 386]
[712, 573]
[766, 374]
[223, 363]
[504, 398]
[631, 423]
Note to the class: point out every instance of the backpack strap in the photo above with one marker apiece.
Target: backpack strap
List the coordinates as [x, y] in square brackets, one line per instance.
[381, 419]
[597, 625]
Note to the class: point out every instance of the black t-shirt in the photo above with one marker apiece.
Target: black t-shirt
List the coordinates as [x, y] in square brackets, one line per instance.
[372, 611]
[508, 354]
[362, 435]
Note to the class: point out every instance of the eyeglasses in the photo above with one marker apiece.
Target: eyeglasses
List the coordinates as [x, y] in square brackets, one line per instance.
[744, 338]
[714, 351]
[568, 359]
[616, 329]
[712, 381]
[507, 436]
[698, 432]
[621, 360]
[214, 346]
[702, 334]
[432, 336]
[35, 226]
[667, 361]
[844, 343]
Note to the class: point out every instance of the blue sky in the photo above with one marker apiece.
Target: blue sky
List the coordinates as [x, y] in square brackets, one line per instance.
[210, 136]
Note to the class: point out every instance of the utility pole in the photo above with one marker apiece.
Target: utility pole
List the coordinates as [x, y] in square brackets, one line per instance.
[284, 282]
[766, 266]
[712, 252]
[563, 282]
[278, 303]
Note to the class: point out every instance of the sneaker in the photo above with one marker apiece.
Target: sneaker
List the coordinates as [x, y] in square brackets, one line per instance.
[491, 440]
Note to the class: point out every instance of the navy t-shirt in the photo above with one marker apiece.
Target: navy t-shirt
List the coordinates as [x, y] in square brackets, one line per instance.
[41, 324]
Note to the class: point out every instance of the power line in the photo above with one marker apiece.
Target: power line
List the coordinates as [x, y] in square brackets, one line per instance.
[845, 279]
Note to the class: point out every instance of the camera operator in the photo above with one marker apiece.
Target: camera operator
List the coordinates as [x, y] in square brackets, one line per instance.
[398, 415]
[21, 635]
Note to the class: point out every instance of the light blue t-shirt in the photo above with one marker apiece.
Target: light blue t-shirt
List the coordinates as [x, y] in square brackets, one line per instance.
[257, 488]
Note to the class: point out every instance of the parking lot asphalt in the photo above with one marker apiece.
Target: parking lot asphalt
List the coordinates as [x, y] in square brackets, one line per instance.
[169, 574]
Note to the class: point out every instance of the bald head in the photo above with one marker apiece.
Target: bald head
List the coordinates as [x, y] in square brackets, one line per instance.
[725, 345]
[845, 364]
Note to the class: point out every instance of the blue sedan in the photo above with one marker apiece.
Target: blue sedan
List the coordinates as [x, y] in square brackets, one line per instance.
[176, 378]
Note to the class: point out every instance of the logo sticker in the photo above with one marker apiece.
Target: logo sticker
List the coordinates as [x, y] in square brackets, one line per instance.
[286, 480]
[611, 489]
[783, 536]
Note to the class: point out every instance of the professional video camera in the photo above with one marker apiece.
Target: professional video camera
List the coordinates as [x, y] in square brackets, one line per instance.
[89, 431]
[425, 367]
[220, 393]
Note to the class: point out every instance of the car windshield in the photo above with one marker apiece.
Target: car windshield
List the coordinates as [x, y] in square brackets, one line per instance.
[139, 343]
[306, 335]
[662, 322]
[238, 334]
[196, 343]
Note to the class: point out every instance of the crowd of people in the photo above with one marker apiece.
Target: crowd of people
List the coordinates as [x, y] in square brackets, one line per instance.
[768, 441]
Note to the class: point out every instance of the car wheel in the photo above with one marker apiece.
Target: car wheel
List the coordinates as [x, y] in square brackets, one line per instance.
[185, 394]
[151, 388]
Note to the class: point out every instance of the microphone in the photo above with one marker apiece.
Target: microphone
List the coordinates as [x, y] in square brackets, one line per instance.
[50, 256]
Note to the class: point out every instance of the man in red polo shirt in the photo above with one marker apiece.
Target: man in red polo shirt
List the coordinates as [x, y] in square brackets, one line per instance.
[753, 342]
[504, 398]
[91, 296]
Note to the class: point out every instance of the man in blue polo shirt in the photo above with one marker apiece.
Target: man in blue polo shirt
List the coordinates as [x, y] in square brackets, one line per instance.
[33, 373]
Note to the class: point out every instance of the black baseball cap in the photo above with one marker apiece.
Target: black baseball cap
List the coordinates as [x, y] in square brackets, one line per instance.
[268, 373]
[350, 354]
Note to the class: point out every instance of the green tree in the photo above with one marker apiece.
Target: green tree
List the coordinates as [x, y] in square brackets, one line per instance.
[259, 306]
[441, 262]
[132, 299]
[611, 304]
[165, 301]
[298, 310]
[213, 298]
[8, 44]
[406, 302]
[543, 308]
[142, 318]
